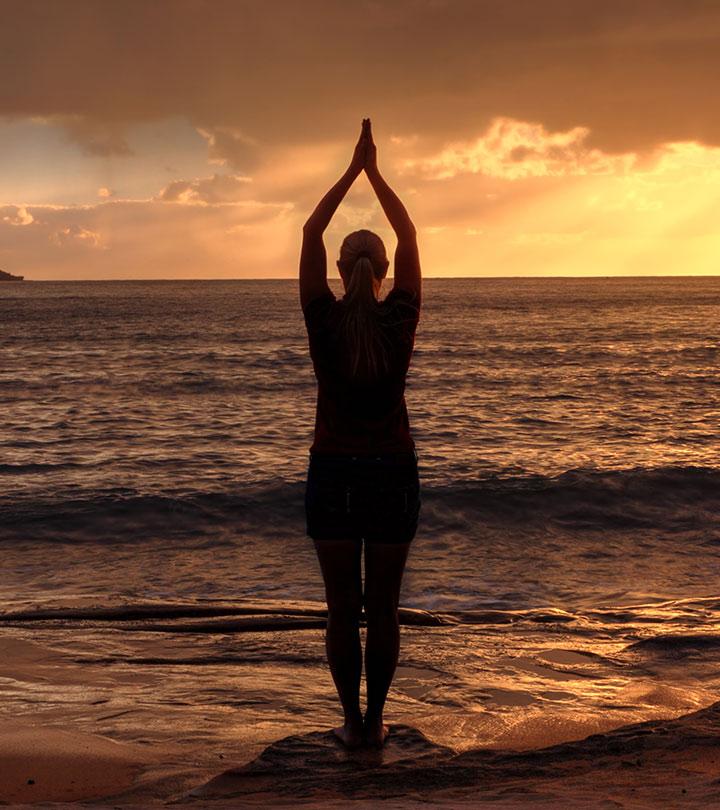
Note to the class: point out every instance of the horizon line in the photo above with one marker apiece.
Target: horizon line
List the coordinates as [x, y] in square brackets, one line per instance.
[425, 278]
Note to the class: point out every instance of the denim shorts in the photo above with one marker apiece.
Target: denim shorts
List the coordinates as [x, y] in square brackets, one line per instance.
[371, 498]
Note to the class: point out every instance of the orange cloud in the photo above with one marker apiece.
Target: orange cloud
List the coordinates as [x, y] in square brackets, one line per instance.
[220, 188]
[18, 216]
[512, 149]
[652, 215]
[151, 238]
[75, 234]
[229, 146]
[95, 137]
[635, 74]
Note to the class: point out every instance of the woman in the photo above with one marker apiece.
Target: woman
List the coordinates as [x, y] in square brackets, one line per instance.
[362, 478]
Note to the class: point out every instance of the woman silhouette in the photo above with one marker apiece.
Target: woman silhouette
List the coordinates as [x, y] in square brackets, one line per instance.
[362, 479]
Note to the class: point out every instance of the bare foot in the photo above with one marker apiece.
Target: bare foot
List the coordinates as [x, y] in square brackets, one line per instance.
[350, 735]
[375, 733]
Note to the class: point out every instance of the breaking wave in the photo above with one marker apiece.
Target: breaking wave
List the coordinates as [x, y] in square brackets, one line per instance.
[671, 498]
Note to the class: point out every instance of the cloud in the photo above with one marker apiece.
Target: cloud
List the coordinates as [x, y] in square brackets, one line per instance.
[512, 149]
[658, 217]
[18, 216]
[96, 138]
[220, 188]
[229, 146]
[680, 161]
[154, 238]
[635, 74]
[75, 234]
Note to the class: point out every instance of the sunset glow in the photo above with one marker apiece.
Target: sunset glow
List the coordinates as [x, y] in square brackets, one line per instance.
[358, 367]
[192, 142]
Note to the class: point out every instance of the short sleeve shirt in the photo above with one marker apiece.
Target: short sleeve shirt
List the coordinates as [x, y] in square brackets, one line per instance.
[356, 416]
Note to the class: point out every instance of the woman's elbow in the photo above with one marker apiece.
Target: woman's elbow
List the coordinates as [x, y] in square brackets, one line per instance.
[407, 233]
[312, 226]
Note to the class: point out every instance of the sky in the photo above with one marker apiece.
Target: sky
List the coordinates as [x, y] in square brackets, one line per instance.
[193, 138]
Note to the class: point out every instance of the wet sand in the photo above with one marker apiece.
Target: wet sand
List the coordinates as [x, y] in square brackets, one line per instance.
[226, 706]
[653, 764]
[49, 764]
[674, 763]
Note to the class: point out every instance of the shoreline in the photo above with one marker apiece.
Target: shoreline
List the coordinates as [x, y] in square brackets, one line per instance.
[210, 711]
[641, 765]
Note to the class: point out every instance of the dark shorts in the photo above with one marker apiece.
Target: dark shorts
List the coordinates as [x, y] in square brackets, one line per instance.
[375, 498]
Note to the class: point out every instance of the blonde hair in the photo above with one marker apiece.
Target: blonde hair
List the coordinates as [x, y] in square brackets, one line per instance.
[362, 261]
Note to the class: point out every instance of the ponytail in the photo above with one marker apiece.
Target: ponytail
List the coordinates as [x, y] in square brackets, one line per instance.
[364, 336]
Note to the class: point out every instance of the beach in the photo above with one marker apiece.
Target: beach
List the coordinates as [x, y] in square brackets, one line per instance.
[249, 722]
[162, 612]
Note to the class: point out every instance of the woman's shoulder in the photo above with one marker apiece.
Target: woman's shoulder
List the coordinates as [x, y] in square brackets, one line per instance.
[402, 294]
[319, 301]
[317, 310]
[405, 301]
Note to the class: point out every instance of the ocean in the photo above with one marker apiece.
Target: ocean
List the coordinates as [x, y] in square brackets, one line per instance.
[563, 580]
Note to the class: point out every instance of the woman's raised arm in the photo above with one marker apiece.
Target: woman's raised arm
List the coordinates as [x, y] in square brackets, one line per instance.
[313, 257]
[407, 259]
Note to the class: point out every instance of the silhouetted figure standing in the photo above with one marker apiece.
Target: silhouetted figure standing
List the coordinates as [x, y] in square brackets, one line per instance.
[362, 480]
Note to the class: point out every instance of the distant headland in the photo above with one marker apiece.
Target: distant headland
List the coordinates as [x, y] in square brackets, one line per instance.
[10, 277]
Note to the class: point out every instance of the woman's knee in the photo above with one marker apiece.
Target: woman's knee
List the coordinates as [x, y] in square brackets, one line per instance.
[344, 611]
[381, 610]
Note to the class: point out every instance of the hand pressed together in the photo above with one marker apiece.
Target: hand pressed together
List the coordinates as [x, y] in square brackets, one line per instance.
[365, 154]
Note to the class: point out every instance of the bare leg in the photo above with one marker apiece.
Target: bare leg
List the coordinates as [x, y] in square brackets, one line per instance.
[340, 564]
[384, 566]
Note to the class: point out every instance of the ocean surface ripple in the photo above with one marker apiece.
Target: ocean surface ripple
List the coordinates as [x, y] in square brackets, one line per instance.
[556, 420]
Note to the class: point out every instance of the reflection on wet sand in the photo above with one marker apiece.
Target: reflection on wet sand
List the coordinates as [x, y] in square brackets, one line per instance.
[187, 691]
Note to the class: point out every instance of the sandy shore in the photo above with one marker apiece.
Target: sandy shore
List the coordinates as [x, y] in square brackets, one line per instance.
[50, 765]
[673, 763]
[225, 710]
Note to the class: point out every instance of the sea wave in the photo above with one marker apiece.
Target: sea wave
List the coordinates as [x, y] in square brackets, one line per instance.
[210, 615]
[673, 499]
[678, 645]
[670, 497]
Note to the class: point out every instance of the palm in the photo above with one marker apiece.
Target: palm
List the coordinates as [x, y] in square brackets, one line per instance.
[365, 151]
[370, 148]
[358, 158]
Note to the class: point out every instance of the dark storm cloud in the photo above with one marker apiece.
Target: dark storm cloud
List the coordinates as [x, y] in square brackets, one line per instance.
[274, 72]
